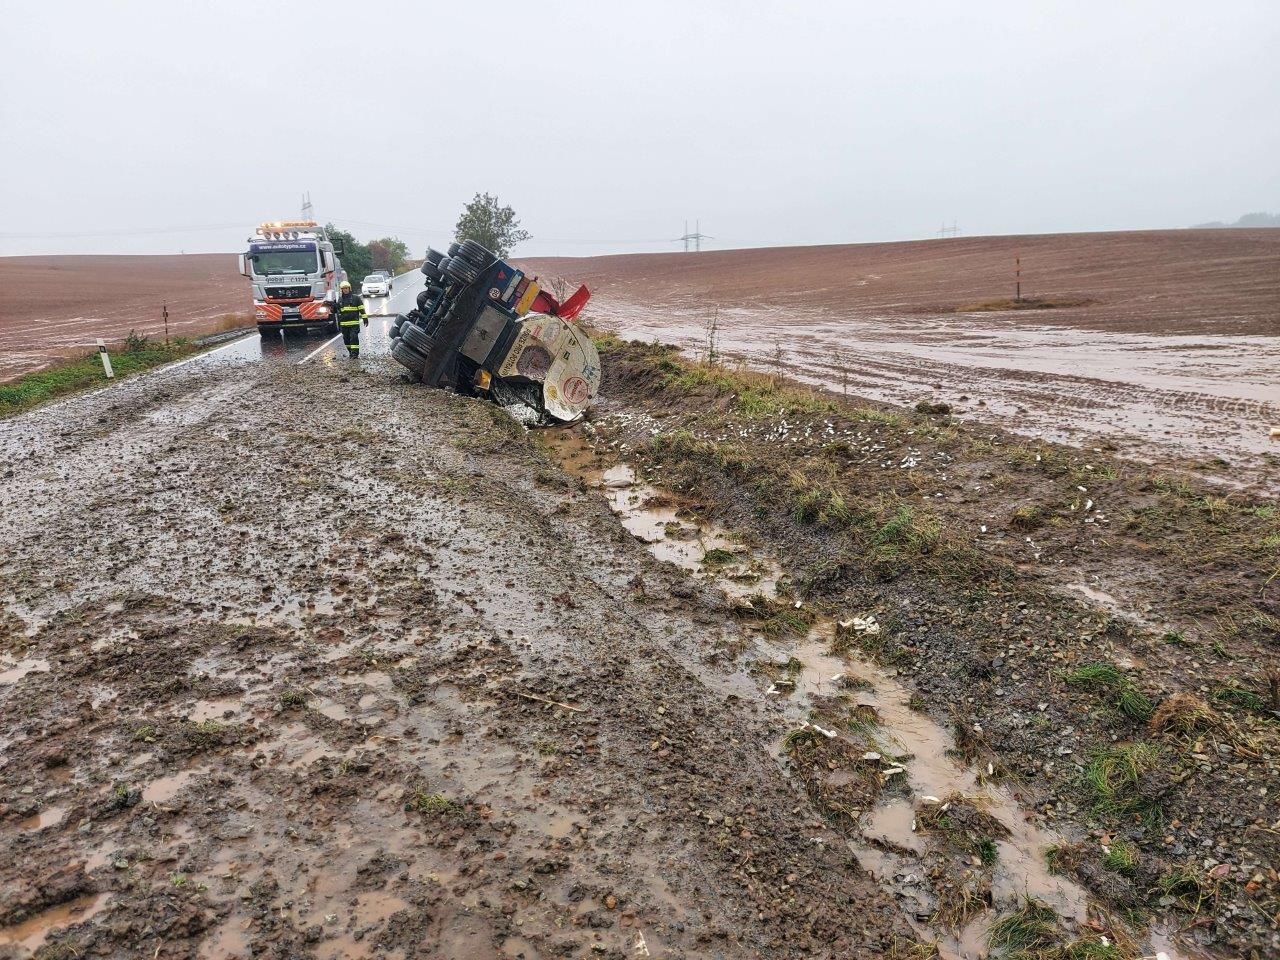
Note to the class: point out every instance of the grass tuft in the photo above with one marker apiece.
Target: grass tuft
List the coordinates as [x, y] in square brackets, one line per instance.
[1115, 776]
[1095, 948]
[1121, 856]
[293, 698]
[1184, 715]
[719, 557]
[1191, 889]
[1119, 690]
[1033, 926]
[432, 804]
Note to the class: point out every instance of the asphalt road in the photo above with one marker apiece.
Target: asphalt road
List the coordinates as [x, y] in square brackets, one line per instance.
[318, 348]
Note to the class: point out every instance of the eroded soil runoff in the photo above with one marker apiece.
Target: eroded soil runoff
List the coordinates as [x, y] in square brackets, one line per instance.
[306, 662]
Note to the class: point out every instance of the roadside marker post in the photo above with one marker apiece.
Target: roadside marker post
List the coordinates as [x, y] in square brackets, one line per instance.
[106, 361]
[165, 311]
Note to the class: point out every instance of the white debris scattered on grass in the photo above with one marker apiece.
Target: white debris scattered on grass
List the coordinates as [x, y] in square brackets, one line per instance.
[867, 625]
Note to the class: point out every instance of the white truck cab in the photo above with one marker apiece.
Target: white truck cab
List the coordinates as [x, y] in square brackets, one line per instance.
[295, 271]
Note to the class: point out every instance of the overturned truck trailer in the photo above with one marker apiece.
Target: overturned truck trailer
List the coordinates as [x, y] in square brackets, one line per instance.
[482, 327]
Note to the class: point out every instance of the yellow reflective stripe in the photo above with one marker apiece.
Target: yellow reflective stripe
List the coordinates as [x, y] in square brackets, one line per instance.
[348, 323]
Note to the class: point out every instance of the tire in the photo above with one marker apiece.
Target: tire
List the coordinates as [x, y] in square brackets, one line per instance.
[396, 326]
[409, 358]
[477, 254]
[434, 256]
[417, 338]
[453, 250]
[432, 272]
[268, 331]
[423, 298]
[461, 270]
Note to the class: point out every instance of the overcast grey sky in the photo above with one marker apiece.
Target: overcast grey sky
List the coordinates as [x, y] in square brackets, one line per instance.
[606, 125]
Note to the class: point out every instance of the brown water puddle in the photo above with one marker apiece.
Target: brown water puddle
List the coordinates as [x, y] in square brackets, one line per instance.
[31, 934]
[17, 669]
[911, 746]
[163, 789]
[48, 817]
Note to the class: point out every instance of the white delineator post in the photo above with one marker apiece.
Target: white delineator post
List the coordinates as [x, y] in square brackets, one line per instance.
[106, 361]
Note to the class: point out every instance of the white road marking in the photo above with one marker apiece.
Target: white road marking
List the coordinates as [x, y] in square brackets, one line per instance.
[319, 350]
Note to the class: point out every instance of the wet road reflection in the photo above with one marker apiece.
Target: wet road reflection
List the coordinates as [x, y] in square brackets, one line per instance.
[375, 339]
[322, 346]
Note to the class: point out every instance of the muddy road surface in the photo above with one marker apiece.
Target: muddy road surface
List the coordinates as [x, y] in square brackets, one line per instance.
[301, 662]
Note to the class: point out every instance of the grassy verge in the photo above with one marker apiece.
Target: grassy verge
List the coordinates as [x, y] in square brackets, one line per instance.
[1153, 719]
[133, 356]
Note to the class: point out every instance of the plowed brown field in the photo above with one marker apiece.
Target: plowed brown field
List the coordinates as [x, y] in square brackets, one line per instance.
[54, 306]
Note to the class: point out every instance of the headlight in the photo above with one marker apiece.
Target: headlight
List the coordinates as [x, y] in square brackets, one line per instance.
[322, 311]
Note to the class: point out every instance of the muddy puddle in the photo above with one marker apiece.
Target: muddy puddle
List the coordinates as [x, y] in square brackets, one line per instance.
[916, 757]
[11, 670]
[31, 934]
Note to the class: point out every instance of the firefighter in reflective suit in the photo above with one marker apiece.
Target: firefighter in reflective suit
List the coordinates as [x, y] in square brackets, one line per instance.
[350, 315]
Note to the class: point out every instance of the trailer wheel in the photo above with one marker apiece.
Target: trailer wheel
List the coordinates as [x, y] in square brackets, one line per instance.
[461, 270]
[417, 338]
[477, 254]
[268, 331]
[431, 271]
[434, 256]
[453, 250]
[409, 358]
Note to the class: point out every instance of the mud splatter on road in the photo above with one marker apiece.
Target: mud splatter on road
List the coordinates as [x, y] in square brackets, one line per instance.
[340, 669]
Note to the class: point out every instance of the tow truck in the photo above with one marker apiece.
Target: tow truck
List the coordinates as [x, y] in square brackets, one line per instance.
[485, 328]
[295, 271]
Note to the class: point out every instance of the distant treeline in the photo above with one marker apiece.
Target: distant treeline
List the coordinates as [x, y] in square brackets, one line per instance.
[360, 259]
[1248, 220]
